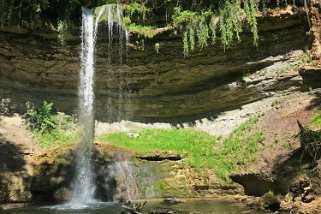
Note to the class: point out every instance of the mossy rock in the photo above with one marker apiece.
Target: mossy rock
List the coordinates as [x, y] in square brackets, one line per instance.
[53, 175]
[270, 201]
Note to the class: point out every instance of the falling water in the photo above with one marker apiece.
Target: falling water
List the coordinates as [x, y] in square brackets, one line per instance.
[117, 95]
[132, 182]
[125, 175]
[84, 188]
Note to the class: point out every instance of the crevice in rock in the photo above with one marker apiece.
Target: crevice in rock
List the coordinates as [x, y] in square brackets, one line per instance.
[254, 184]
[160, 158]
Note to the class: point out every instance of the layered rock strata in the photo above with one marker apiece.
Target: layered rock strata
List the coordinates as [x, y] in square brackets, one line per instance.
[150, 85]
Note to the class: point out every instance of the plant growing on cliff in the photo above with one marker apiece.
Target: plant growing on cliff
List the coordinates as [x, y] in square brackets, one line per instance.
[65, 132]
[62, 28]
[137, 9]
[229, 20]
[194, 27]
[41, 119]
[50, 129]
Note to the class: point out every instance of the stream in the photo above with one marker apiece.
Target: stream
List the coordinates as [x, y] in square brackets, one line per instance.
[201, 206]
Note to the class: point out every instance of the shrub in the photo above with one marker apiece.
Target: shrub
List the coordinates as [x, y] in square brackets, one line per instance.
[41, 119]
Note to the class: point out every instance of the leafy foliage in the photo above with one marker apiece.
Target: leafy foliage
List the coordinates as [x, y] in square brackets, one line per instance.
[137, 9]
[198, 20]
[250, 8]
[49, 129]
[194, 26]
[41, 119]
[65, 132]
[62, 30]
[204, 25]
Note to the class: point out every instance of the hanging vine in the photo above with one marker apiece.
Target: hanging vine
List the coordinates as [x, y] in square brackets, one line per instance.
[199, 21]
[228, 20]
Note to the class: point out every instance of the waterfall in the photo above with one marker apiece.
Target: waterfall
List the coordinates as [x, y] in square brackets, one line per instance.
[83, 192]
[84, 188]
[113, 13]
[125, 175]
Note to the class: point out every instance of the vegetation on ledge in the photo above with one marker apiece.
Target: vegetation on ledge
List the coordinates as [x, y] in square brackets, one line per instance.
[315, 120]
[204, 151]
[49, 129]
[198, 21]
[223, 155]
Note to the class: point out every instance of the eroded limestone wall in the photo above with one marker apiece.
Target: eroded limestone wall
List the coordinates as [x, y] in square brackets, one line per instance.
[149, 86]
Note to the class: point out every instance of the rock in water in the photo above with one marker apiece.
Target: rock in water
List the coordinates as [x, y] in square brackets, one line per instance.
[133, 208]
[172, 201]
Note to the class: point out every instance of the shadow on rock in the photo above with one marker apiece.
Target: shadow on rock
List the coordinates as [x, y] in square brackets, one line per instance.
[315, 102]
[14, 177]
[11, 157]
[53, 176]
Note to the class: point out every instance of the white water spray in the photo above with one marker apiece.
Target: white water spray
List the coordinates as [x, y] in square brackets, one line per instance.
[84, 188]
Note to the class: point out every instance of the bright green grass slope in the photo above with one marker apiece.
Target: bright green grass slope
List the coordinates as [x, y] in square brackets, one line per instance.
[204, 151]
[64, 132]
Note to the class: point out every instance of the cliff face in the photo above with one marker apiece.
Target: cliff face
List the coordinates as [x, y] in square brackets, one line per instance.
[149, 85]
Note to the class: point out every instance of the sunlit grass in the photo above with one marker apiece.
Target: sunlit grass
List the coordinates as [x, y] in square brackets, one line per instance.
[65, 132]
[223, 155]
[315, 120]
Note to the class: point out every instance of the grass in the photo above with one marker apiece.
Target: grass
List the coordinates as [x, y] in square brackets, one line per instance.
[298, 62]
[147, 31]
[287, 144]
[223, 155]
[315, 120]
[275, 102]
[65, 132]
[136, 27]
[275, 141]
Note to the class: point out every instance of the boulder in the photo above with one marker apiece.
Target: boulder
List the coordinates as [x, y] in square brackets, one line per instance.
[311, 75]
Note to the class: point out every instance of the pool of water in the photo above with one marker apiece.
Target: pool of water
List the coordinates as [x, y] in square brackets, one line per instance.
[191, 205]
